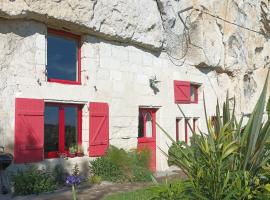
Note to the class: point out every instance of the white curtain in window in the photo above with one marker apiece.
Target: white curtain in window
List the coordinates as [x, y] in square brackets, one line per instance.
[148, 125]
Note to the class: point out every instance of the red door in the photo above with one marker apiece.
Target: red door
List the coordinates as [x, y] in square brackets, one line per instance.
[147, 133]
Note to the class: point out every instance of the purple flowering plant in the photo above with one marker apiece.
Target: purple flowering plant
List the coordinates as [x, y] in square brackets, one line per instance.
[73, 180]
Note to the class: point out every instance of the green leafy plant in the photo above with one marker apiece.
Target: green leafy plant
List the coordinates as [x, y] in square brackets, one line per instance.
[95, 179]
[120, 165]
[33, 181]
[228, 161]
[73, 149]
[106, 169]
[176, 190]
[58, 174]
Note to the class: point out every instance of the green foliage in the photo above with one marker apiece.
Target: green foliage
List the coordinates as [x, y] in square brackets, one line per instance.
[268, 107]
[142, 194]
[229, 161]
[95, 179]
[120, 165]
[75, 170]
[178, 190]
[58, 174]
[106, 169]
[33, 181]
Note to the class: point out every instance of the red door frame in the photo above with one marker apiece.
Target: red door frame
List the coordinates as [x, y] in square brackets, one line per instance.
[61, 131]
[149, 142]
[78, 40]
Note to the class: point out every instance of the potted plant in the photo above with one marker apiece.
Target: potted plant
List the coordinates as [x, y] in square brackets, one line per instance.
[79, 152]
[72, 151]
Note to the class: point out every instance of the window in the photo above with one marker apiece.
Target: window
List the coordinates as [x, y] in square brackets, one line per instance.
[63, 57]
[194, 93]
[62, 128]
[178, 128]
[185, 92]
[146, 126]
[195, 124]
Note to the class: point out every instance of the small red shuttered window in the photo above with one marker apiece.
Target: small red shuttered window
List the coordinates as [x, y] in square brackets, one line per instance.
[29, 130]
[182, 91]
[99, 128]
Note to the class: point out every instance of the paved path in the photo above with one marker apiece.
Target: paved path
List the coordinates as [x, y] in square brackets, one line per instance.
[87, 192]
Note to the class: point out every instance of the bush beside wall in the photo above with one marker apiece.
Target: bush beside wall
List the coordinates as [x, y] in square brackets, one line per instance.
[33, 181]
[120, 165]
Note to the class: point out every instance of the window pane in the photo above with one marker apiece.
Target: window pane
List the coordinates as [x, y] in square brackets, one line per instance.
[192, 92]
[148, 125]
[61, 58]
[140, 128]
[70, 127]
[51, 136]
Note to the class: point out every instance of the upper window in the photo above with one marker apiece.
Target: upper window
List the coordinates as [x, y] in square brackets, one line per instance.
[62, 129]
[63, 57]
[185, 92]
[193, 93]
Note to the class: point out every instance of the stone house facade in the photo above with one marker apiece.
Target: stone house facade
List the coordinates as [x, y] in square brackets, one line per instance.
[64, 83]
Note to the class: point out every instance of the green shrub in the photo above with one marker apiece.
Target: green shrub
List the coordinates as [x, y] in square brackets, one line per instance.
[177, 190]
[33, 181]
[106, 169]
[120, 165]
[95, 179]
[58, 174]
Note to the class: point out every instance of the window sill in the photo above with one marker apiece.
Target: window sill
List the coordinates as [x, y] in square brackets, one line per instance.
[67, 82]
[50, 155]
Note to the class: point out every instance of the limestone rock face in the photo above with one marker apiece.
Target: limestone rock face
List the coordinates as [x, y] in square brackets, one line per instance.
[131, 21]
[228, 37]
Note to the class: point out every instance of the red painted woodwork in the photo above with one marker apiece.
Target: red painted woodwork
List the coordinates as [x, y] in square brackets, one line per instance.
[61, 131]
[75, 37]
[182, 91]
[149, 143]
[29, 130]
[99, 128]
[177, 129]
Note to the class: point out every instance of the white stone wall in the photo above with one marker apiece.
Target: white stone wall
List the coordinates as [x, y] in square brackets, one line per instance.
[112, 72]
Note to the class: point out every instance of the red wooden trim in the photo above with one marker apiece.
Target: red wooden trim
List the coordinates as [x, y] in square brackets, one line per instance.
[63, 33]
[178, 96]
[78, 39]
[61, 132]
[186, 131]
[52, 80]
[153, 111]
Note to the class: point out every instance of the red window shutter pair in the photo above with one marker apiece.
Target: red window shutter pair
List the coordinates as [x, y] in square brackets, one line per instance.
[182, 91]
[29, 130]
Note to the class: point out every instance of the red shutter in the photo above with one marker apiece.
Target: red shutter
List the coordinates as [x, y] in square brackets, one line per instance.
[29, 130]
[182, 91]
[99, 128]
